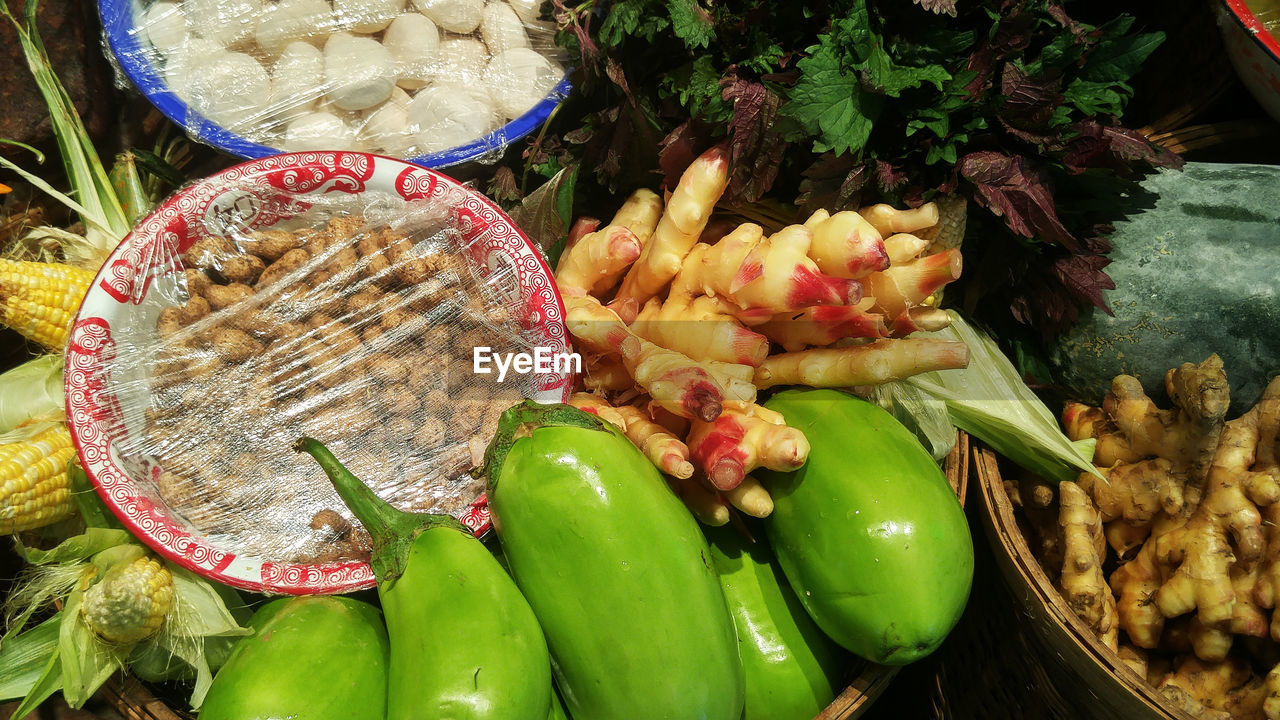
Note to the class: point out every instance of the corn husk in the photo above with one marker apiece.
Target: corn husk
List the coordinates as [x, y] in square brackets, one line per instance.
[30, 394]
[989, 401]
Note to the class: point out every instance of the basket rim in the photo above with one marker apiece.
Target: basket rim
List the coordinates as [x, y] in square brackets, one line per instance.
[1001, 523]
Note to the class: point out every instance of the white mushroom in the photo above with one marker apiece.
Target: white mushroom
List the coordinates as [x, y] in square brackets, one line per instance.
[165, 26]
[526, 10]
[386, 127]
[501, 28]
[518, 79]
[460, 16]
[442, 117]
[318, 131]
[296, 80]
[414, 42]
[231, 89]
[366, 16]
[193, 52]
[230, 22]
[290, 20]
[358, 71]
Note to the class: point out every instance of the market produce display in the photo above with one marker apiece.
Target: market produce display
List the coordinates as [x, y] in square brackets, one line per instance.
[1167, 556]
[836, 294]
[433, 573]
[401, 79]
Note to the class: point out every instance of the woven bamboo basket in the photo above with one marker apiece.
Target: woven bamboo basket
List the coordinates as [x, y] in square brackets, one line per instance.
[134, 700]
[1027, 655]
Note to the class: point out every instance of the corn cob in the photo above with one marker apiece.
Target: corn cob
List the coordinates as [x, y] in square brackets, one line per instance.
[130, 602]
[34, 488]
[40, 299]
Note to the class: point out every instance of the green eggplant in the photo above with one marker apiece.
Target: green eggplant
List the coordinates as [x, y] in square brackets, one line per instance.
[464, 644]
[792, 670]
[310, 658]
[615, 568]
[868, 532]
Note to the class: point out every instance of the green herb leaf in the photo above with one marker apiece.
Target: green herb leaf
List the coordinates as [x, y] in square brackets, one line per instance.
[831, 105]
[691, 23]
[1118, 59]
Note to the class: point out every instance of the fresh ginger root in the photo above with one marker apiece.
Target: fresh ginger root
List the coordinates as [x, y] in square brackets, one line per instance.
[928, 319]
[738, 442]
[640, 214]
[1083, 585]
[603, 374]
[1271, 703]
[1135, 493]
[673, 380]
[598, 406]
[902, 248]
[822, 325]
[663, 449]
[1136, 583]
[766, 276]
[888, 220]
[707, 505]
[905, 286]
[750, 497]
[1226, 690]
[701, 327]
[596, 261]
[1134, 658]
[677, 231]
[845, 245]
[871, 364]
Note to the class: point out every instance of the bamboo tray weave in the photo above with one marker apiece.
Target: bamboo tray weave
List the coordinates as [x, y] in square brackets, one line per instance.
[1029, 655]
[135, 701]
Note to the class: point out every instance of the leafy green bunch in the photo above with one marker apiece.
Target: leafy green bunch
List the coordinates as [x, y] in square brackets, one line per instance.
[838, 103]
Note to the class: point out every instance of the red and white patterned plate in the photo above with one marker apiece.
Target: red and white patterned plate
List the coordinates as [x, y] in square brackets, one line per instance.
[253, 195]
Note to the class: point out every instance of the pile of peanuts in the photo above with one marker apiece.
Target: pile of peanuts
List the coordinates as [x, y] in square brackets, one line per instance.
[359, 336]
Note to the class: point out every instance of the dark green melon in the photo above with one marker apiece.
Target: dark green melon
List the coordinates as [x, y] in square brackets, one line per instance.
[1197, 274]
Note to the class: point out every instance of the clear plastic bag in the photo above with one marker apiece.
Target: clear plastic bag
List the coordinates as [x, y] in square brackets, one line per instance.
[353, 321]
[442, 79]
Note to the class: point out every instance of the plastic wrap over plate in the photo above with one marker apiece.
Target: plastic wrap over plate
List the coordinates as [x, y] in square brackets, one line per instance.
[343, 296]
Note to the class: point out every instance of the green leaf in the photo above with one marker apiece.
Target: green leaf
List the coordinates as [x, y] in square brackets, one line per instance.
[81, 547]
[25, 658]
[1097, 98]
[49, 682]
[691, 23]
[1117, 60]
[201, 609]
[887, 77]
[86, 661]
[539, 216]
[989, 401]
[831, 105]
[622, 20]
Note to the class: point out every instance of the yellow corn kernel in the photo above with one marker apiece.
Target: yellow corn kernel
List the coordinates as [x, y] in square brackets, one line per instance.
[130, 602]
[34, 486]
[40, 300]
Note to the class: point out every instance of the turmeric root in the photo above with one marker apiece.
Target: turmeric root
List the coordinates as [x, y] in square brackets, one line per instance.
[888, 220]
[1271, 703]
[686, 214]
[663, 449]
[738, 442]
[595, 263]
[845, 245]
[1136, 582]
[1084, 587]
[870, 364]
[701, 327]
